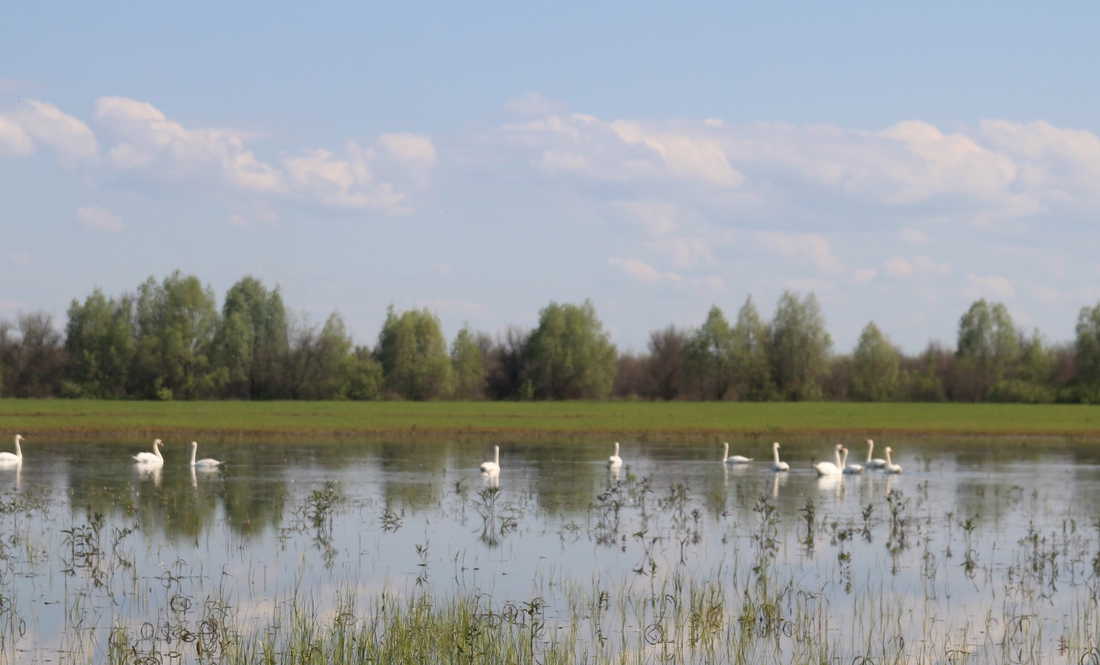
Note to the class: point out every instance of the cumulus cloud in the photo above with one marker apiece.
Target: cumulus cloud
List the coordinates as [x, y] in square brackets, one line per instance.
[994, 287]
[21, 258]
[36, 123]
[14, 141]
[640, 270]
[623, 150]
[147, 142]
[98, 219]
[534, 104]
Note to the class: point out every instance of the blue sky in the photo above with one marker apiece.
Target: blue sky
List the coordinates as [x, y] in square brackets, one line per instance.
[898, 159]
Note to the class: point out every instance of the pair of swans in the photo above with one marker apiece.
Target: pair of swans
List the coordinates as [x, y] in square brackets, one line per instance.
[156, 459]
[493, 468]
[878, 463]
[8, 459]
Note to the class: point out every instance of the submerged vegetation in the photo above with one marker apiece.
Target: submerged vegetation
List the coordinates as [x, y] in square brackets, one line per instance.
[169, 341]
[701, 566]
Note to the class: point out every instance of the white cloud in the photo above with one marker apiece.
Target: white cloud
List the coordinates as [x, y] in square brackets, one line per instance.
[638, 269]
[412, 150]
[13, 305]
[69, 138]
[623, 150]
[443, 269]
[98, 219]
[147, 142]
[915, 237]
[21, 259]
[14, 141]
[993, 287]
[806, 247]
[899, 267]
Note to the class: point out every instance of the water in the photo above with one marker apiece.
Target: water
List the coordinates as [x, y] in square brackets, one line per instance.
[980, 551]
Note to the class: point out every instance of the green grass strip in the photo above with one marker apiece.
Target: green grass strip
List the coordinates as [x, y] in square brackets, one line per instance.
[88, 417]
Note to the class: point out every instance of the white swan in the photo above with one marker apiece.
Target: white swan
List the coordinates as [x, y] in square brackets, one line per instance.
[876, 463]
[492, 468]
[890, 466]
[828, 468]
[7, 459]
[777, 465]
[850, 469]
[152, 459]
[203, 463]
[736, 459]
[615, 461]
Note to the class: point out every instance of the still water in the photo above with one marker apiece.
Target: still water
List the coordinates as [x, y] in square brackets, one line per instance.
[980, 551]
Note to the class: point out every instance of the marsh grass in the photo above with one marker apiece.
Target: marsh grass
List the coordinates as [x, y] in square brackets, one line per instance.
[816, 581]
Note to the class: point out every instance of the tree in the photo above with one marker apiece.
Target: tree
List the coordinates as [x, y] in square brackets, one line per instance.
[176, 322]
[508, 371]
[99, 340]
[666, 361]
[800, 347]
[875, 365]
[34, 361]
[987, 347]
[252, 342]
[1088, 346]
[708, 355]
[749, 351]
[468, 362]
[571, 356]
[414, 356]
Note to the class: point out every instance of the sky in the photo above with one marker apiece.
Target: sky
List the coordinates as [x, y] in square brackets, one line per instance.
[899, 160]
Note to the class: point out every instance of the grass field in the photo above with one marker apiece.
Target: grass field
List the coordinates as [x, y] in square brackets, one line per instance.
[642, 419]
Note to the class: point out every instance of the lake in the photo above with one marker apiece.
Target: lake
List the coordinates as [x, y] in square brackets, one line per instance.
[982, 550]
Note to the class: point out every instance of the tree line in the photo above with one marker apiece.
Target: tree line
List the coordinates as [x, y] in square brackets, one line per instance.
[169, 340]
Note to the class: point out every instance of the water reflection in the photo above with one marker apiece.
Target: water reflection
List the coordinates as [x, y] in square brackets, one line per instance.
[283, 516]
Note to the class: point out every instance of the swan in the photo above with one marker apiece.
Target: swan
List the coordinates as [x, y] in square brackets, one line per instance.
[203, 463]
[890, 466]
[876, 463]
[492, 468]
[777, 465]
[8, 458]
[615, 461]
[849, 469]
[828, 468]
[736, 459]
[153, 458]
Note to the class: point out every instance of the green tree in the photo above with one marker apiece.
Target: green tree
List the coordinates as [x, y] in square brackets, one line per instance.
[469, 365]
[709, 355]
[99, 340]
[414, 358]
[749, 350]
[571, 356]
[875, 365]
[252, 342]
[800, 347]
[327, 375]
[364, 376]
[987, 348]
[1088, 346]
[176, 322]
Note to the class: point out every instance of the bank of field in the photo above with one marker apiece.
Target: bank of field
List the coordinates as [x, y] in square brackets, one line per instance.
[557, 419]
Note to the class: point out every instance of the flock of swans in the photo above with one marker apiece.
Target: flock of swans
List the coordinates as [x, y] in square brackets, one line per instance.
[142, 460]
[492, 469]
[840, 467]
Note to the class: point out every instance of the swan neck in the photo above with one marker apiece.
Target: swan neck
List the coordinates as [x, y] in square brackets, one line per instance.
[870, 449]
[725, 451]
[496, 455]
[18, 450]
[194, 449]
[775, 453]
[156, 449]
[838, 462]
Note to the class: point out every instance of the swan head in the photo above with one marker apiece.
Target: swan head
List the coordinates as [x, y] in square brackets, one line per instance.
[18, 438]
[776, 445]
[194, 444]
[158, 442]
[889, 449]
